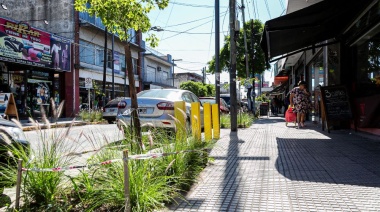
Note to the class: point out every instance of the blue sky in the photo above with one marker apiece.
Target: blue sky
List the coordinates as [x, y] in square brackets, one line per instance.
[197, 16]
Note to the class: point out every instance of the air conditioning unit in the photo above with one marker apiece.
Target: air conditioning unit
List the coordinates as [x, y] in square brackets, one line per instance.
[159, 68]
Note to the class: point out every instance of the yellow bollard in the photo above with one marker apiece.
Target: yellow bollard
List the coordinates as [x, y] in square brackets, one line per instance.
[196, 119]
[215, 121]
[207, 121]
[180, 115]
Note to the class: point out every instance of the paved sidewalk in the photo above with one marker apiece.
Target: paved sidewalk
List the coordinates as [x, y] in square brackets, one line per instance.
[271, 167]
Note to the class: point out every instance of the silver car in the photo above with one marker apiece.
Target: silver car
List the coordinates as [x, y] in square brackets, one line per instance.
[156, 107]
[111, 109]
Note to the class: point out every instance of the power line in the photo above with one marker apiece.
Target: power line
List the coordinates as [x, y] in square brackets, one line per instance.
[170, 14]
[193, 21]
[266, 5]
[249, 13]
[186, 30]
[192, 33]
[212, 26]
[282, 4]
[193, 5]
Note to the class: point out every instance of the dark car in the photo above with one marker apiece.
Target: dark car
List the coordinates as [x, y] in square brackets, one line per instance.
[223, 104]
[10, 134]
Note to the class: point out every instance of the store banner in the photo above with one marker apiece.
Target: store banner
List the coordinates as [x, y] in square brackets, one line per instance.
[20, 43]
[116, 62]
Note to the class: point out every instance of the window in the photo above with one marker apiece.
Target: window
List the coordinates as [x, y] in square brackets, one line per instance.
[187, 98]
[99, 56]
[134, 64]
[86, 52]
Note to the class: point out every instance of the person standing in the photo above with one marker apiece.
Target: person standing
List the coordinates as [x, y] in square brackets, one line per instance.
[299, 99]
[65, 58]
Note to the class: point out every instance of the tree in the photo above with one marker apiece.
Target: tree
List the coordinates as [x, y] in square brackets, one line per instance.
[198, 88]
[118, 16]
[256, 55]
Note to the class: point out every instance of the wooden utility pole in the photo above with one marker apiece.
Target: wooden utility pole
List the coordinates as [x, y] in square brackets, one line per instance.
[133, 96]
[246, 59]
[233, 33]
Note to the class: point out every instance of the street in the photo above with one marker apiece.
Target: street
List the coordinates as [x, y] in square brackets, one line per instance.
[78, 139]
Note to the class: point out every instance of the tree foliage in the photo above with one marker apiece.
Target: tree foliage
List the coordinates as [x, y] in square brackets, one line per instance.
[256, 61]
[198, 88]
[120, 15]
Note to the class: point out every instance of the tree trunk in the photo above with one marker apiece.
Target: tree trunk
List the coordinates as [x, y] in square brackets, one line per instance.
[132, 93]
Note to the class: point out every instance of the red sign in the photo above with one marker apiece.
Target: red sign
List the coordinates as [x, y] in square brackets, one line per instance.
[20, 43]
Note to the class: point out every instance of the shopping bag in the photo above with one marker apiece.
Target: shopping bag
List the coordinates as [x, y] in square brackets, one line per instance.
[290, 116]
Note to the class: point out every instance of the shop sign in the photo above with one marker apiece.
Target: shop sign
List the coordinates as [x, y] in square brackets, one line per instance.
[88, 82]
[116, 62]
[20, 43]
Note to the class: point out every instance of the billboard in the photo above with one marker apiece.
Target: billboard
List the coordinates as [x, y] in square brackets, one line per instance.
[23, 44]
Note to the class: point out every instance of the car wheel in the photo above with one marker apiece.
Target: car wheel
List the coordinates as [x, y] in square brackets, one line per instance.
[110, 121]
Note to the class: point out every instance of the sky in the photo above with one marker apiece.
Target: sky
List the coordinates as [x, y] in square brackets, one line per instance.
[189, 28]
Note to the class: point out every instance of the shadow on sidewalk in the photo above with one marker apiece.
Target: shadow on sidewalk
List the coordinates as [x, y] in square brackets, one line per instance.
[346, 160]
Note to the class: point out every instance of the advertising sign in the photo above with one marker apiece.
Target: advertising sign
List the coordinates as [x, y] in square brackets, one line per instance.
[116, 62]
[20, 43]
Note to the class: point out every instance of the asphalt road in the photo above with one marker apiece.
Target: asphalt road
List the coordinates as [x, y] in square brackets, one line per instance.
[76, 139]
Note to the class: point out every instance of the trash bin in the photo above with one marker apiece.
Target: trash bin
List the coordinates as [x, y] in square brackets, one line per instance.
[264, 108]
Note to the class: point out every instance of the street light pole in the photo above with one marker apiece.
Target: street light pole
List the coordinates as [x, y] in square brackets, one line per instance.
[173, 60]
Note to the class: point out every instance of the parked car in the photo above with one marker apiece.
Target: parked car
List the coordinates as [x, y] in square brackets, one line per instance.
[156, 107]
[110, 110]
[10, 134]
[223, 104]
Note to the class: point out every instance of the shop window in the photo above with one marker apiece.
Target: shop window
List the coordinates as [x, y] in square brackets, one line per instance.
[99, 56]
[86, 52]
[368, 62]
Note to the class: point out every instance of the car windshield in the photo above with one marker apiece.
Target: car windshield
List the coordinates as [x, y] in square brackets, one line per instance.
[211, 101]
[227, 99]
[166, 94]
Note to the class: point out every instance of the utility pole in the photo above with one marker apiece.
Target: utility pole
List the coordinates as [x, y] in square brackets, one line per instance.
[204, 75]
[233, 32]
[104, 68]
[217, 52]
[246, 57]
[113, 67]
[253, 92]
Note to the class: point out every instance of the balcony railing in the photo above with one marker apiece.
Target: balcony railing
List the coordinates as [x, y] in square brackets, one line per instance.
[160, 77]
[97, 22]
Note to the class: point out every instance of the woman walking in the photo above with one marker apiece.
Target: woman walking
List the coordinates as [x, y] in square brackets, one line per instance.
[299, 99]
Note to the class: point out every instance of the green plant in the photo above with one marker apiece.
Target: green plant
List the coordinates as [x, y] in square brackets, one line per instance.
[153, 182]
[225, 121]
[245, 119]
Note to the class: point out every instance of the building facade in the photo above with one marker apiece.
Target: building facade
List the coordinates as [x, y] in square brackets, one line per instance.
[184, 77]
[157, 70]
[55, 64]
[341, 49]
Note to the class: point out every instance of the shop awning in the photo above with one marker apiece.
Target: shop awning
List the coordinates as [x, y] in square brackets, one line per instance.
[309, 26]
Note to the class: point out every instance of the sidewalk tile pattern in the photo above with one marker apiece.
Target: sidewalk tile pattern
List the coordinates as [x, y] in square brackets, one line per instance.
[271, 167]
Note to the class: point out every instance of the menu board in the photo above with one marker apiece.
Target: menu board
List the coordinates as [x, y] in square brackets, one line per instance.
[336, 103]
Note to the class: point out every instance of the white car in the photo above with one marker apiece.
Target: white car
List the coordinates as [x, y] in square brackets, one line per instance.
[156, 107]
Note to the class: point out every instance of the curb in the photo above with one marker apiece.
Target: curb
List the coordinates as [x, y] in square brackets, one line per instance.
[56, 125]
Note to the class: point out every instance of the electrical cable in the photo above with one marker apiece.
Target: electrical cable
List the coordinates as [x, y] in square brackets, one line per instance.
[193, 5]
[266, 5]
[170, 14]
[212, 26]
[186, 31]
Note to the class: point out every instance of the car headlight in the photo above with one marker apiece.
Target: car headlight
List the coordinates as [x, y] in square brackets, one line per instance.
[16, 133]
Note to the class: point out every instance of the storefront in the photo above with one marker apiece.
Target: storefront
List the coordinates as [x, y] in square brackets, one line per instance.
[32, 66]
[338, 46]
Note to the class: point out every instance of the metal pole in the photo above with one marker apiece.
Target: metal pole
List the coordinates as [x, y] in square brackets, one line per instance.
[246, 55]
[113, 68]
[104, 68]
[126, 182]
[233, 93]
[173, 71]
[217, 52]
[18, 184]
